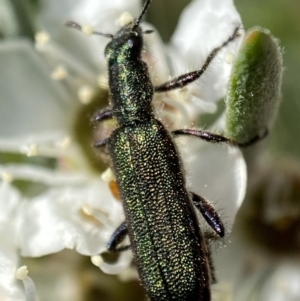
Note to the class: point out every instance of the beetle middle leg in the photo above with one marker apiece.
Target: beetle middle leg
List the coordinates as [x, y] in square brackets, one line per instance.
[117, 238]
[215, 138]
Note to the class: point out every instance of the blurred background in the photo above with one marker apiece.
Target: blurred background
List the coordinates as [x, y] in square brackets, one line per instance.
[273, 240]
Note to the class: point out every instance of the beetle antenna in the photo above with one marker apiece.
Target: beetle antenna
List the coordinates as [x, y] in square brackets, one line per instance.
[79, 27]
[144, 9]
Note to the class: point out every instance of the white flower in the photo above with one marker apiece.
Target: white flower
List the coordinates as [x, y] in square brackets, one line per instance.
[9, 200]
[44, 92]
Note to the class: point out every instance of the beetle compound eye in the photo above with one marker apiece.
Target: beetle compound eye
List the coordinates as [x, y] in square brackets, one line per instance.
[130, 43]
[135, 42]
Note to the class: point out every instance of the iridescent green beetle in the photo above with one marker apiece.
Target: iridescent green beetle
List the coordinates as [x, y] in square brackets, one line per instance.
[168, 245]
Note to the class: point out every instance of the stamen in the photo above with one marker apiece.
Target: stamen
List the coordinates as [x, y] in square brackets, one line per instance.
[125, 18]
[85, 94]
[21, 274]
[87, 209]
[229, 58]
[59, 73]
[65, 143]
[30, 150]
[87, 29]
[97, 260]
[108, 175]
[41, 38]
[6, 177]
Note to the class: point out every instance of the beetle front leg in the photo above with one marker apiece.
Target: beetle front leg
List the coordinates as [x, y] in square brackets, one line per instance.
[185, 79]
[103, 115]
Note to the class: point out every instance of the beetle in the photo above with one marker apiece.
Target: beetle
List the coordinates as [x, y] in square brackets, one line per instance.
[168, 245]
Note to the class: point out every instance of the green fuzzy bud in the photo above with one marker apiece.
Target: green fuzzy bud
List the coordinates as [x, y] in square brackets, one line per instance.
[254, 87]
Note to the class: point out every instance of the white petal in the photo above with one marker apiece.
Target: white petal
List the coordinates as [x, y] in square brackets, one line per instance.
[87, 11]
[30, 101]
[43, 175]
[204, 25]
[48, 143]
[58, 56]
[101, 15]
[218, 173]
[9, 289]
[104, 13]
[9, 200]
[56, 220]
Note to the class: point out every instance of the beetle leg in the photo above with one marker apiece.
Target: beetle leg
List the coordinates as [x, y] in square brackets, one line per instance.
[103, 115]
[209, 213]
[116, 238]
[215, 138]
[185, 79]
